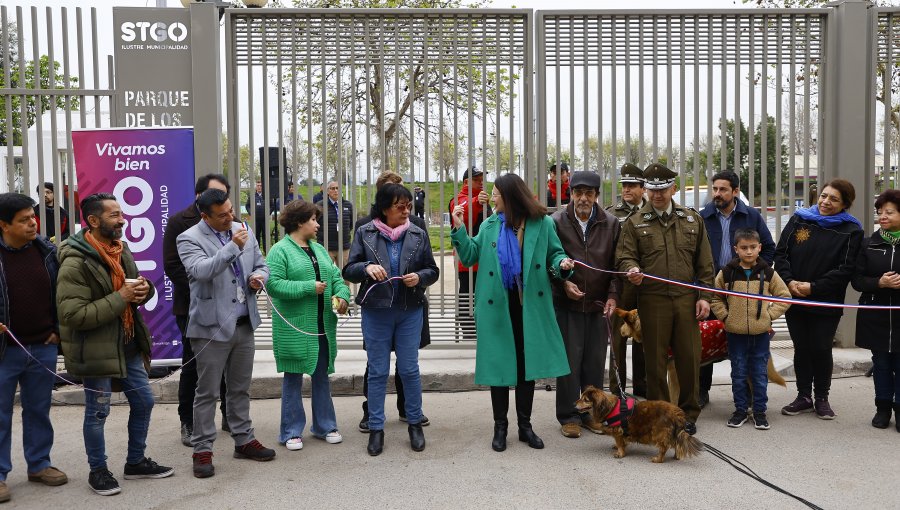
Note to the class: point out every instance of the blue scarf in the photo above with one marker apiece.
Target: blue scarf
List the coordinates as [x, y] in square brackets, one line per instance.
[813, 214]
[510, 255]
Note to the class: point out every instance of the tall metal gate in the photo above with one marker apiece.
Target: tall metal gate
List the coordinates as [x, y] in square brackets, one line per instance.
[686, 88]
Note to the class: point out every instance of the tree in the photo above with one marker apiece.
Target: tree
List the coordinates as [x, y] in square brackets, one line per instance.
[46, 75]
[603, 163]
[772, 164]
[448, 156]
[883, 71]
[411, 86]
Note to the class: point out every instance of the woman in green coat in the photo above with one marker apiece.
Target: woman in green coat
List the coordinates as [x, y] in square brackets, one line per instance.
[517, 250]
[303, 284]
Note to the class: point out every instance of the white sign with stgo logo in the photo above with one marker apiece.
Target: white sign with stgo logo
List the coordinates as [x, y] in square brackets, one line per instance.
[153, 67]
[158, 31]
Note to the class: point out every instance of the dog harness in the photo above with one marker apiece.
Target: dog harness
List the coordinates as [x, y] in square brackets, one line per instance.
[619, 415]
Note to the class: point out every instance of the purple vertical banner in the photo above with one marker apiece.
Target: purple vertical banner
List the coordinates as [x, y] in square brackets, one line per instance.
[151, 173]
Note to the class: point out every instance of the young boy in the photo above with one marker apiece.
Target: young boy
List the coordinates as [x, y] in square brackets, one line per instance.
[747, 324]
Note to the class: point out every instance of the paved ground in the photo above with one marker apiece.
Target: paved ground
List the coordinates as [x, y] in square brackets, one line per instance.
[840, 464]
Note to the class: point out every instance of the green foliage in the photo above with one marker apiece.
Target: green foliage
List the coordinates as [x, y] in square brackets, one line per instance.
[772, 165]
[46, 75]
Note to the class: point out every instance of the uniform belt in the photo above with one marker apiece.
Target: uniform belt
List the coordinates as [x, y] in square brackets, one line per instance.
[243, 319]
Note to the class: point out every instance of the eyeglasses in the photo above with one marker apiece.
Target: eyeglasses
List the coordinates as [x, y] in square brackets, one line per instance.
[400, 206]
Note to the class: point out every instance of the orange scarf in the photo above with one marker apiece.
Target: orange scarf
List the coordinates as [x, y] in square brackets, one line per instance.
[111, 254]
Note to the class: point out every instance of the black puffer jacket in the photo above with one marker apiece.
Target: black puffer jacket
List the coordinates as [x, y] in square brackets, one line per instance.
[825, 257]
[875, 328]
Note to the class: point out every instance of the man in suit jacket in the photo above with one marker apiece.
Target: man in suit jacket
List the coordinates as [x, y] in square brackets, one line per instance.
[181, 298]
[225, 269]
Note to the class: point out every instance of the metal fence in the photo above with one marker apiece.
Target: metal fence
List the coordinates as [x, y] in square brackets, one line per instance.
[886, 45]
[52, 82]
[686, 88]
[346, 94]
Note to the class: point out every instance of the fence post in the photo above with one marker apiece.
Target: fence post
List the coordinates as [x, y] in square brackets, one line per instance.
[848, 120]
[206, 90]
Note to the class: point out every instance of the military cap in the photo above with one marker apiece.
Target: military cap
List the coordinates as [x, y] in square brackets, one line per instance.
[657, 176]
[585, 178]
[631, 173]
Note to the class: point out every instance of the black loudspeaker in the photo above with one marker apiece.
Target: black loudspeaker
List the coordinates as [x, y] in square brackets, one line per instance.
[271, 173]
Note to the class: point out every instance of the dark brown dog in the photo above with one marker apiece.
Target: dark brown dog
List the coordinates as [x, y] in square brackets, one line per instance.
[654, 422]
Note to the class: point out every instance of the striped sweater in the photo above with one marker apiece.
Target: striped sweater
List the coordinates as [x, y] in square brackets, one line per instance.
[292, 285]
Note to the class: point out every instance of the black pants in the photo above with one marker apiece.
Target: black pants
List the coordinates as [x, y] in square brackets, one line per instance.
[464, 326]
[187, 384]
[398, 384]
[585, 336]
[524, 389]
[813, 336]
[706, 374]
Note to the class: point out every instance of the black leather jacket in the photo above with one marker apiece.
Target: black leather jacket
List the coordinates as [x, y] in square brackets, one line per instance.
[370, 247]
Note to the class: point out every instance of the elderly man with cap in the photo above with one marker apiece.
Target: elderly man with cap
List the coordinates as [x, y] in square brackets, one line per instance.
[585, 301]
[632, 180]
[668, 240]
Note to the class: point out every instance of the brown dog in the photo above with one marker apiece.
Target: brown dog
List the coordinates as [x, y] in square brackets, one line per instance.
[631, 328]
[655, 422]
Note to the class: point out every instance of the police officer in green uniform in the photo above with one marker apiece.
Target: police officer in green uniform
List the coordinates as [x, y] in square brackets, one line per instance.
[668, 240]
[632, 180]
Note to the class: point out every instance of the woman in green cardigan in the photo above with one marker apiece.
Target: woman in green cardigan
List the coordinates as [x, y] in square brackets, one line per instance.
[517, 250]
[303, 284]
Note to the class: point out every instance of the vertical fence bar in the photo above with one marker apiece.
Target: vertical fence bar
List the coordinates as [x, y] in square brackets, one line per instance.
[668, 58]
[779, 97]
[751, 143]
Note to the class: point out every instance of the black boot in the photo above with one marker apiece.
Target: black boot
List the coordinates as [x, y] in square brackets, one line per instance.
[376, 442]
[897, 415]
[500, 429]
[882, 417]
[524, 402]
[500, 407]
[416, 437]
[527, 435]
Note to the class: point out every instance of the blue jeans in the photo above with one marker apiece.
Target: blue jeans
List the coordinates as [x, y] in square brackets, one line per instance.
[17, 368]
[293, 416]
[886, 375]
[749, 356]
[384, 329]
[96, 409]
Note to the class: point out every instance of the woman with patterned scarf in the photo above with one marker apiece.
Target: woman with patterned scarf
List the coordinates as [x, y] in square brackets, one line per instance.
[815, 257]
[877, 277]
[519, 341]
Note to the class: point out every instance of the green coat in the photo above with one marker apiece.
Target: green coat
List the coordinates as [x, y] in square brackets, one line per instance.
[495, 356]
[90, 311]
[292, 286]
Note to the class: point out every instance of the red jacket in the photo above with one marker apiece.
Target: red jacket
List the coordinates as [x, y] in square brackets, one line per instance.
[478, 215]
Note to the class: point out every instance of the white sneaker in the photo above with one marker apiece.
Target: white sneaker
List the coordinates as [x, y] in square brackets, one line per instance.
[333, 437]
[294, 443]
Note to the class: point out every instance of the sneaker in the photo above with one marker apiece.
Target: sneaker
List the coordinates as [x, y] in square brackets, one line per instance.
[333, 437]
[737, 419]
[146, 468]
[293, 444]
[424, 422]
[186, 432]
[4, 492]
[760, 421]
[572, 430]
[364, 424]
[103, 482]
[49, 476]
[203, 466]
[800, 404]
[254, 450]
[823, 409]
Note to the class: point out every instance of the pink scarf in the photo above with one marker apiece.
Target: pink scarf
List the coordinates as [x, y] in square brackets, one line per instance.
[391, 233]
